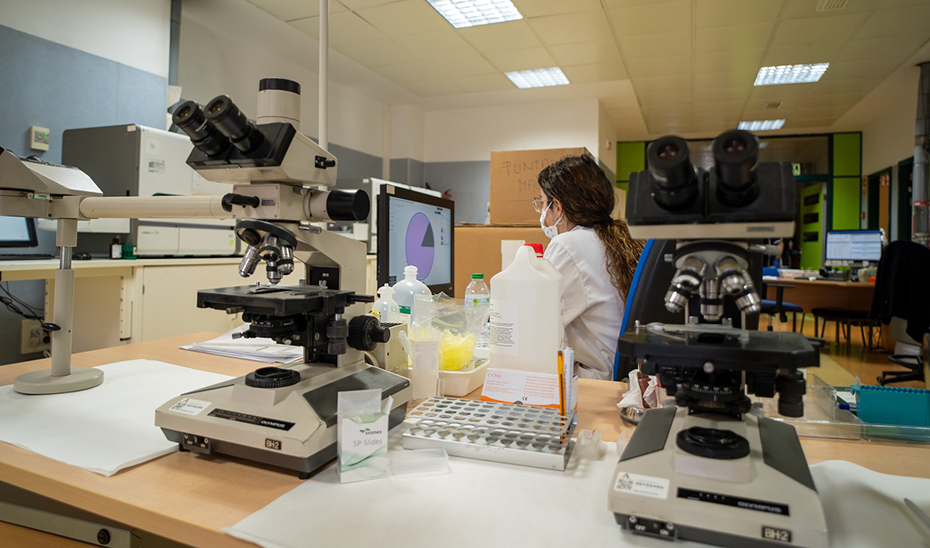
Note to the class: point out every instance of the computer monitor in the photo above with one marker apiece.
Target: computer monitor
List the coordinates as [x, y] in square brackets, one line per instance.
[852, 247]
[415, 229]
[18, 232]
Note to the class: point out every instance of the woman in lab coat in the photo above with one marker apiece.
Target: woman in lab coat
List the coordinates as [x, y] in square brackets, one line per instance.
[595, 254]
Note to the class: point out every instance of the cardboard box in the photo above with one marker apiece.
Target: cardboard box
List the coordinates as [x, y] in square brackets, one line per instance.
[514, 175]
[478, 249]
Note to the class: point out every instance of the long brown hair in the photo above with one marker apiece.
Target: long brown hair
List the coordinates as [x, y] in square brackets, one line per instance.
[587, 199]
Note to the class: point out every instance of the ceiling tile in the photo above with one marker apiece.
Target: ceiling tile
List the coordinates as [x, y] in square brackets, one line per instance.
[732, 108]
[896, 22]
[568, 28]
[669, 44]
[807, 122]
[433, 87]
[376, 53]
[356, 4]
[787, 105]
[620, 101]
[665, 66]
[800, 9]
[780, 93]
[287, 10]
[893, 49]
[405, 18]
[874, 68]
[462, 65]
[674, 127]
[406, 72]
[713, 80]
[582, 74]
[624, 3]
[834, 28]
[661, 84]
[653, 18]
[721, 94]
[713, 122]
[433, 45]
[724, 38]
[677, 112]
[344, 28]
[585, 53]
[822, 112]
[838, 86]
[668, 98]
[483, 82]
[541, 8]
[725, 13]
[819, 52]
[820, 101]
[751, 114]
[501, 36]
[736, 60]
[521, 59]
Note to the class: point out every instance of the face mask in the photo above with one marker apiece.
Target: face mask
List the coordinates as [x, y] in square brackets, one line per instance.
[549, 231]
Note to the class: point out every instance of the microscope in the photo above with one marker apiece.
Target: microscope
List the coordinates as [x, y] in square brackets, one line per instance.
[711, 468]
[283, 416]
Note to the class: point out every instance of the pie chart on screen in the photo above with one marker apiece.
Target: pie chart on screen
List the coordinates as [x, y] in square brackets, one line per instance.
[420, 245]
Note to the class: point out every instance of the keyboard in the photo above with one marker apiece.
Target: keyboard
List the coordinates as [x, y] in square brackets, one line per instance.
[25, 256]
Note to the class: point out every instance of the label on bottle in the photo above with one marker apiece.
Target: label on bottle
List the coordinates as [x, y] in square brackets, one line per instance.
[505, 316]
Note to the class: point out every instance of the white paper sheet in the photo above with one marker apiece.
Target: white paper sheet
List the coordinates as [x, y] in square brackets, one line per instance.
[257, 349]
[489, 504]
[104, 429]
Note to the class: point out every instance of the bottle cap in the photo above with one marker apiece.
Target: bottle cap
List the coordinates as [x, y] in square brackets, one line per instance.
[385, 290]
[538, 248]
[409, 271]
[477, 276]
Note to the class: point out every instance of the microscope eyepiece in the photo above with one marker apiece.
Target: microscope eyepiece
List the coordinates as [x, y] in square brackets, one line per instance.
[674, 179]
[231, 122]
[203, 134]
[735, 155]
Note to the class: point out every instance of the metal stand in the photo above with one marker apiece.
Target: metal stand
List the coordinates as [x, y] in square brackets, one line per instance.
[61, 377]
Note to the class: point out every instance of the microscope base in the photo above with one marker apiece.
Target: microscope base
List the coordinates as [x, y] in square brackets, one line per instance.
[43, 382]
[764, 499]
[293, 427]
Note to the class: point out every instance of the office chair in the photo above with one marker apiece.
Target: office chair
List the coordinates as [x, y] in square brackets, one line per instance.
[902, 301]
[778, 306]
[645, 301]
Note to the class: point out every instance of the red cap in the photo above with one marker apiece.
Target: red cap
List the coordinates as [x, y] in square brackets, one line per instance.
[538, 248]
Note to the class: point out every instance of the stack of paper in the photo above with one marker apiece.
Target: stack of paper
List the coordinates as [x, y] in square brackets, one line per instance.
[260, 350]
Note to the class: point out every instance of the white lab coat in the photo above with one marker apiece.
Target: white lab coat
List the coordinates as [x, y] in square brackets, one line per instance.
[592, 310]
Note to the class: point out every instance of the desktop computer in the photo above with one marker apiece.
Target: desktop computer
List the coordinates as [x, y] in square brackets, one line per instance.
[852, 248]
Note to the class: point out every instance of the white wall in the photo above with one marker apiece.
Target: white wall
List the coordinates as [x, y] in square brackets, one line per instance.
[606, 142]
[471, 134]
[131, 32]
[407, 125]
[890, 137]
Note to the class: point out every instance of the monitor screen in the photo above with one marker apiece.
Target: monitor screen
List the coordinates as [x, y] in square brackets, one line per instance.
[853, 247]
[415, 229]
[18, 232]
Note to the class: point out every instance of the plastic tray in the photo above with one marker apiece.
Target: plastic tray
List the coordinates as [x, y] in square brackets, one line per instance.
[463, 383]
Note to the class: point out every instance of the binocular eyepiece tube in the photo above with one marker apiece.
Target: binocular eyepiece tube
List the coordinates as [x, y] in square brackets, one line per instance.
[675, 182]
[735, 155]
[203, 134]
[233, 124]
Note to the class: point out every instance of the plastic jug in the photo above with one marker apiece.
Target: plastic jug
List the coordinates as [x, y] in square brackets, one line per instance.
[405, 289]
[385, 309]
[526, 315]
[543, 263]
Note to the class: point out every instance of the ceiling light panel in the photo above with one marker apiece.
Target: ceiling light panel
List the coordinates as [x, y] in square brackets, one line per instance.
[790, 74]
[537, 78]
[762, 125]
[471, 13]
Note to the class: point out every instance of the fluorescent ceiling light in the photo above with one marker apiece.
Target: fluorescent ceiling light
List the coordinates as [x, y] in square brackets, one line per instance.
[471, 13]
[537, 78]
[790, 74]
[761, 125]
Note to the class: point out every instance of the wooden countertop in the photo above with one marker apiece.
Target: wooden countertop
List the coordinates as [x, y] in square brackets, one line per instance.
[191, 498]
[822, 283]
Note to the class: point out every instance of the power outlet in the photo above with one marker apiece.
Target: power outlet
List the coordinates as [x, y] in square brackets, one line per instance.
[33, 338]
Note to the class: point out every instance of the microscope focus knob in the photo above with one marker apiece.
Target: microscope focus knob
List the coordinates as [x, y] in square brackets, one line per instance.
[272, 377]
[366, 331]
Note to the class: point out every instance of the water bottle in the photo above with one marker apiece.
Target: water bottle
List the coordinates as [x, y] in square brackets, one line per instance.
[477, 308]
[405, 289]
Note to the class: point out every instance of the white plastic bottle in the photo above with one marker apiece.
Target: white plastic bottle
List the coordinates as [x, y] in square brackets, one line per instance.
[385, 309]
[405, 289]
[542, 263]
[526, 315]
[477, 309]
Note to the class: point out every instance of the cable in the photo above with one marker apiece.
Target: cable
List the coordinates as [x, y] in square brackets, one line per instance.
[10, 301]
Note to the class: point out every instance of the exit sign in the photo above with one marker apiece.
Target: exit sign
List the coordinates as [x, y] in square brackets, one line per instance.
[796, 169]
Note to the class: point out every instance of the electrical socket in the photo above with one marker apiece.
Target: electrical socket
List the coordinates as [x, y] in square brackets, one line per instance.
[33, 338]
